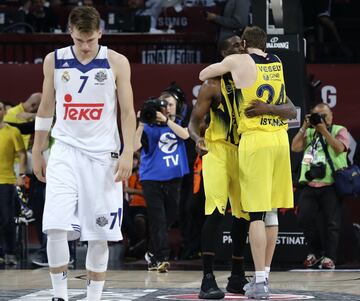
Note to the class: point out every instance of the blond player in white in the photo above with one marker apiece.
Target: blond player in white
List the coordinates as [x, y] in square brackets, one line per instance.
[84, 173]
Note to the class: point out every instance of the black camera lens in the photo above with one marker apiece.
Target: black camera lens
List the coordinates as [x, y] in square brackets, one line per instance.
[316, 171]
[315, 119]
[150, 107]
[148, 115]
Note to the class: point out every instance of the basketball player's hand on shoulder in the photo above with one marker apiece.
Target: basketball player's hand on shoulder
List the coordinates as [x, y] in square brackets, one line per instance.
[123, 167]
[39, 166]
[201, 148]
[257, 108]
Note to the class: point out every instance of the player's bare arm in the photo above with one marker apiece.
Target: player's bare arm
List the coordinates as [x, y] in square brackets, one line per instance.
[214, 70]
[46, 110]
[218, 69]
[121, 68]
[138, 134]
[210, 89]
[242, 68]
[257, 107]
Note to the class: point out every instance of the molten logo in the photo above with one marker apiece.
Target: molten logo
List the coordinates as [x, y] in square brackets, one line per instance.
[81, 111]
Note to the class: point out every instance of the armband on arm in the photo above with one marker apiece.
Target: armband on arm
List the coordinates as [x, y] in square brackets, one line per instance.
[43, 124]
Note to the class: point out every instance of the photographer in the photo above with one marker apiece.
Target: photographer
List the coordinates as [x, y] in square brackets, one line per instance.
[163, 164]
[319, 195]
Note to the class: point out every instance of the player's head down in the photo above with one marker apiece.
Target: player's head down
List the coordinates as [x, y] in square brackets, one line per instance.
[84, 27]
[86, 19]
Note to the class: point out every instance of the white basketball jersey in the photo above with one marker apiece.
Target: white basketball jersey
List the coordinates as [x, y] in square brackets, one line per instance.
[86, 110]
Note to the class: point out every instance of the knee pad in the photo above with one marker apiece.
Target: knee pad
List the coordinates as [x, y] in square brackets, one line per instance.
[257, 216]
[57, 248]
[97, 256]
[271, 218]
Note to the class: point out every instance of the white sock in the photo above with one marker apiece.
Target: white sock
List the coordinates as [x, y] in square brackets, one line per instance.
[94, 290]
[59, 283]
[267, 272]
[260, 276]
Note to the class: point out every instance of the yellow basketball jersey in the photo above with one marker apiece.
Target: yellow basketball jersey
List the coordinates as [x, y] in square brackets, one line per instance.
[269, 87]
[223, 120]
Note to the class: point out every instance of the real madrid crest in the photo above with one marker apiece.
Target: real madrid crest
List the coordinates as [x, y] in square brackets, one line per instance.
[102, 221]
[101, 76]
[65, 76]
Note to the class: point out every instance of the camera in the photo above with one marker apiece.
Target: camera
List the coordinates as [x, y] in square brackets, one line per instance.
[316, 171]
[316, 118]
[149, 109]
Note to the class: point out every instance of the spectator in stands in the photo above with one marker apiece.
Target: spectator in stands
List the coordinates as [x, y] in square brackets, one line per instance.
[11, 144]
[150, 8]
[162, 166]
[233, 20]
[319, 195]
[24, 112]
[39, 15]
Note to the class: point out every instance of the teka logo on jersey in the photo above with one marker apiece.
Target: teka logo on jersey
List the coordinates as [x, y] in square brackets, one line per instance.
[81, 111]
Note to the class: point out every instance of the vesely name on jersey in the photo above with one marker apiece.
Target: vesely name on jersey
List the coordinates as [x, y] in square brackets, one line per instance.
[274, 68]
[83, 111]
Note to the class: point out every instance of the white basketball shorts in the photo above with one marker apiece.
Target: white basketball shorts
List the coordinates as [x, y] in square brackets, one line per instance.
[82, 196]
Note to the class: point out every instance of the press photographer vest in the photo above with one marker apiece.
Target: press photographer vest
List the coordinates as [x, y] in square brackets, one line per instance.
[223, 117]
[164, 157]
[269, 87]
[339, 160]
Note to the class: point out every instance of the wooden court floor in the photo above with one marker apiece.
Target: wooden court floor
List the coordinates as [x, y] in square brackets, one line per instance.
[181, 285]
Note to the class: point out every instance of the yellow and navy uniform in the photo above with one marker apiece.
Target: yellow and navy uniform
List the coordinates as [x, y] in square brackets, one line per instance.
[11, 116]
[223, 125]
[264, 154]
[269, 87]
[10, 143]
[220, 164]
